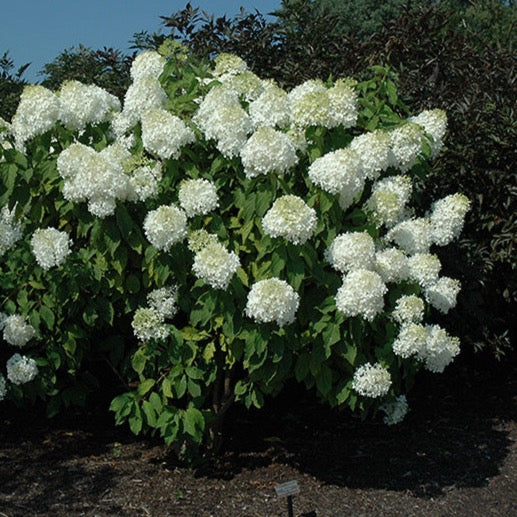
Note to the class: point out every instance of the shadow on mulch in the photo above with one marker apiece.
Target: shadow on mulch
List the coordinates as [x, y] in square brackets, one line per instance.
[451, 437]
[454, 436]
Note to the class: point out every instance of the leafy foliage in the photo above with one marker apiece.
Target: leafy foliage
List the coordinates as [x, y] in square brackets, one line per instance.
[11, 85]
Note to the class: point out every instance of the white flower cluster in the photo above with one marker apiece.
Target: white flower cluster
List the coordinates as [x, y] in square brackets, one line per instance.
[215, 265]
[50, 247]
[405, 146]
[221, 118]
[349, 251]
[163, 301]
[409, 309]
[246, 85]
[362, 294]
[21, 369]
[165, 226]
[313, 104]
[371, 381]
[291, 218]
[16, 330]
[10, 229]
[338, 171]
[148, 63]
[272, 300]
[412, 235]
[164, 134]
[424, 269]
[447, 218]
[442, 294]
[82, 104]
[148, 323]
[143, 181]
[270, 109]
[434, 123]
[229, 64]
[98, 178]
[392, 265]
[268, 150]
[430, 344]
[37, 112]
[374, 150]
[198, 197]
[389, 198]
[395, 410]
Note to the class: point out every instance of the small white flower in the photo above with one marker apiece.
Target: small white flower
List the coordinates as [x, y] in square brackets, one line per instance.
[388, 200]
[21, 369]
[440, 349]
[405, 146]
[17, 331]
[165, 226]
[215, 265]
[374, 151]
[410, 341]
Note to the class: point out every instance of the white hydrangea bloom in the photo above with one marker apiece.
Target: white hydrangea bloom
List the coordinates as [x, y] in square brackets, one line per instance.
[371, 380]
[395, 410]
[337, 171]
[410, 341]
[163, 301]
[442, 294]
[148, 324]
[141, 97]
[389, 198]
[272, 300]
[148, 64]
[297, 137]
[143, 182]
[374, 150]
[268, 150]
[343, 103]
[309, 105]
[247, 85]
[198, 197]
[362, 294]
[165, 226]
[221, 118]
[3, 387]
[409, 309]
[37, 112]
[82, 104]
[164, 134]
[448, 217]
[17, 331]
[440, 349]
[226, 63]
[215, 265]
[21, 369]
[50, 247]
[405, 146]
[198, 239]
[271, 108]
[349, 251]
[424, 268]
[291, 218]
[392, 265]
[349, 194]
[10, 229]
[434, 123]
[412, 235]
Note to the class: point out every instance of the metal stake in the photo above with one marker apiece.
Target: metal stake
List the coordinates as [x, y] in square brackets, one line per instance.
[290, 511]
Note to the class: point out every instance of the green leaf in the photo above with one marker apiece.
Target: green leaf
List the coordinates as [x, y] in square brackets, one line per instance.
[139, 360]
[194, 423]
[145, 386]
[324, 380]
[149, 413]
[135, 420]
[47, 316]
[167, 388]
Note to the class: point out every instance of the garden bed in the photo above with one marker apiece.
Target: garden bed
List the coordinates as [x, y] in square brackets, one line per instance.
[453, 455]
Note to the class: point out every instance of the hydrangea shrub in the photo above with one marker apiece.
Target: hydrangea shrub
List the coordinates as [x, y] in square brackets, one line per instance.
[215, 236]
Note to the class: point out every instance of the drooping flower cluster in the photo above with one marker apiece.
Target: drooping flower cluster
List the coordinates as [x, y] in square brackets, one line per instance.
[198, 197]
[10, 229]
[272, 300]
[412, 235]
[392, 265]
[405, 146]
[434, 123]
[148, 323]
[409, 309]
[424, 269]
[16, 330]
[389, 198]
[163, 301]
[349, 251]
[371, 380]
[271, 108]
[447, 218]
[21, 369]
[50, 247]
[147, 64]
[374, 150]
[290, 218]
[442, 294]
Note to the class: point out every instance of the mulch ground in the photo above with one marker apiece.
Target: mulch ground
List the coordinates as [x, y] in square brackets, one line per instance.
[455, 454]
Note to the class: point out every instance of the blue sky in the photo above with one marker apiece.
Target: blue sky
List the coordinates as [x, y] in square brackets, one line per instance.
[36, 31]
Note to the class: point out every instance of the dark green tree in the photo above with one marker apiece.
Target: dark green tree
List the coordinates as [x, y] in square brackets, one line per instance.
[11, 85]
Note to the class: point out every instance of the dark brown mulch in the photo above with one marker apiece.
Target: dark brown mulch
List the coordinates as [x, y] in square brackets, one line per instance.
[454, 455]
